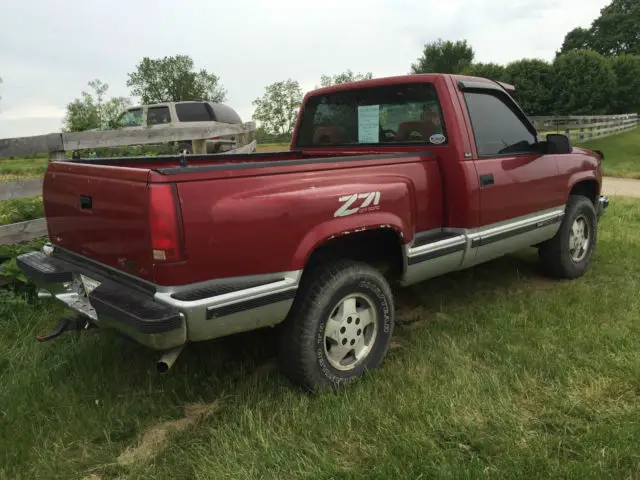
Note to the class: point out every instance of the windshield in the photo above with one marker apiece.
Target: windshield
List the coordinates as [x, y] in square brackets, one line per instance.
[130, 118]
[390, 114]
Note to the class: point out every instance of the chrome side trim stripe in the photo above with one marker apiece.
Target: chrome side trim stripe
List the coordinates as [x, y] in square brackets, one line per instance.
[474, 238]
[497, 233]
[436, 249]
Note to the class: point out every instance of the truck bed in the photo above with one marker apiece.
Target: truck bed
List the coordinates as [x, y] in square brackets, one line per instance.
[101, 209]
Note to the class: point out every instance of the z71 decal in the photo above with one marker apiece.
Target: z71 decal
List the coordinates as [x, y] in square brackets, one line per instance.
[352, 203]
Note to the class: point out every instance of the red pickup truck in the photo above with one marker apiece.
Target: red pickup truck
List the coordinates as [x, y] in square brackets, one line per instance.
[387, 182]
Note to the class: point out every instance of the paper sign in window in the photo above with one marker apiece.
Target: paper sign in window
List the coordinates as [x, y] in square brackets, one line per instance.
[368, 123]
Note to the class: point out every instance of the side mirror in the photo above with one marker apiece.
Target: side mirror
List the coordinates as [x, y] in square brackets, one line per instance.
[558, 143]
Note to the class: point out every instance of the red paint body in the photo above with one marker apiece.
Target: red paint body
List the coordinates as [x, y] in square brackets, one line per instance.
[237, 222]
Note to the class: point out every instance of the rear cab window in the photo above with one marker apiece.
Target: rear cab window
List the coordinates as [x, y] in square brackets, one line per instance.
[497, 124]
[403, 114]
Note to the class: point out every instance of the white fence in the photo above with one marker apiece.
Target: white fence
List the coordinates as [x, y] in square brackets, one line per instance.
[578, 128]
[584, 128]
[56, 144]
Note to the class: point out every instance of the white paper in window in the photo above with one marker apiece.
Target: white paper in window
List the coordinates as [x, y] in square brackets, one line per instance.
[368, 123]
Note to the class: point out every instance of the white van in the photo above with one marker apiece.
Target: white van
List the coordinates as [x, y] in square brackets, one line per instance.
[176, 113]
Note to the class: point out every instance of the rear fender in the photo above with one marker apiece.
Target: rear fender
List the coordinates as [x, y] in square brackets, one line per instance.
[338, 227]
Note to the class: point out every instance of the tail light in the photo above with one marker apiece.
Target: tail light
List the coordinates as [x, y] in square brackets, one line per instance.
[215, 138]
[165, 223]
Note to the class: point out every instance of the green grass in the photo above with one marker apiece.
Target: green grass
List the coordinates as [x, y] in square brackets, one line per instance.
[621, 152]
[22, 169]
[20, 210]
[496, 372]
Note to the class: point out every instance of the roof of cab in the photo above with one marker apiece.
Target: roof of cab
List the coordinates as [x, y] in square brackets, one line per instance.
[400, 79]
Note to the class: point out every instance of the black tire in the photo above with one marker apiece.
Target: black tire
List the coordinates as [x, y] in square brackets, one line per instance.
[185, 147]
[303, 357]
[555, 255]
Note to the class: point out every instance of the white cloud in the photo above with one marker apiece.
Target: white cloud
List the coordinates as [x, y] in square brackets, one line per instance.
[49, 53]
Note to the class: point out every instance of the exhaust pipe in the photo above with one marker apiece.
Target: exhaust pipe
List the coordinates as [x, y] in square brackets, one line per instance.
[168, 358]
[44, 294]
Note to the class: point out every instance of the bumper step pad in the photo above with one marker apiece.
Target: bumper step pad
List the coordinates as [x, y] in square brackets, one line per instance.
[137, 310]
[43, 269]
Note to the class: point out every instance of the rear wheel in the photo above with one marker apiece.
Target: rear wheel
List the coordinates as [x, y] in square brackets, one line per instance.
[567, 255]
[339, 328]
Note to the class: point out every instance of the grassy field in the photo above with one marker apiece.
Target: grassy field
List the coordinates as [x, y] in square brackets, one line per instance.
[622, 154]
[494, 372]
[20, 210]
[22, 169]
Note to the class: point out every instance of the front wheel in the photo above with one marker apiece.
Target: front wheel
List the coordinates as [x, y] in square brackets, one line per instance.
[339, 328]
[567, 255]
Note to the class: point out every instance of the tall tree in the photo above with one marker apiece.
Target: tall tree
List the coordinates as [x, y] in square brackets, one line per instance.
[344, 77]
[626, 98]
[174, 79]
[82, 114]
[278, 108]
[583, 82]
[533, 80]
[492, 71]
[99, 89]
[444, 57]
[91, 111]
[614, 32]
[617, 29]
[577, 39]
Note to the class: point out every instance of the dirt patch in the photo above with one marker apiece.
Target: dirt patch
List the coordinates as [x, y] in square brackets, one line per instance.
[155, 438]
[621, 186]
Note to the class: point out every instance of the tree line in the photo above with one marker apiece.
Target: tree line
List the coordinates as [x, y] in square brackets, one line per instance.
[596, 71]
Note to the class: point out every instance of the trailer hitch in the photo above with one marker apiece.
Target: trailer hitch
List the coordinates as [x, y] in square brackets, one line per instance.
[66, 324]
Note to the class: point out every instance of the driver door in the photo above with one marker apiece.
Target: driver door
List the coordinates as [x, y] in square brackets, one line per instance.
[514, 178]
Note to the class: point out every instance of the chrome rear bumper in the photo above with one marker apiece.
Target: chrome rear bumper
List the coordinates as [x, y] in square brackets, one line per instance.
[157, 316]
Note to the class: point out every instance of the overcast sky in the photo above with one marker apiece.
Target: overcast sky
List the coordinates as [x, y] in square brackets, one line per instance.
[49, 49]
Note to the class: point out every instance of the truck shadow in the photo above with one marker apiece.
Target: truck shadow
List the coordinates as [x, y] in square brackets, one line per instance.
[229, 361]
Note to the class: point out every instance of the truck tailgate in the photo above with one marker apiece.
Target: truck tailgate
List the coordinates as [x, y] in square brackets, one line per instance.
[100, 212]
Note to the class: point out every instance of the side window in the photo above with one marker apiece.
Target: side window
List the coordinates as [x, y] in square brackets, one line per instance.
[158, 115]
[193, 112]
[497, 128]
[130, 118]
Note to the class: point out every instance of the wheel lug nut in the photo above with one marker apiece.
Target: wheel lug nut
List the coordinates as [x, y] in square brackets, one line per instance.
[349, 320]
[353, 342]
[357, 321]
[344, 341]
[343, 329]
[359, 332]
